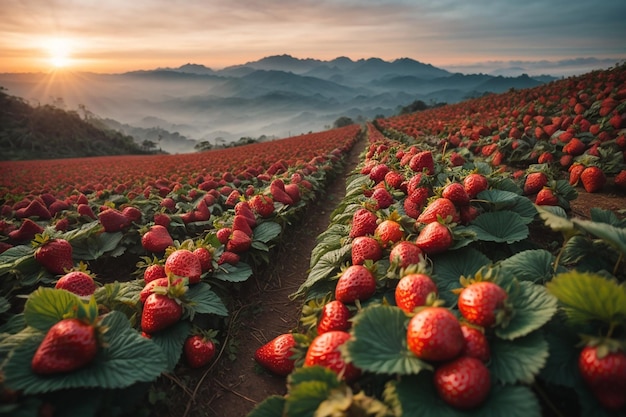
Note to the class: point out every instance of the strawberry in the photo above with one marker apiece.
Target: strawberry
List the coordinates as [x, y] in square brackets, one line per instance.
[364, 248]
[70, 344]
[277, 190]
[335, 316]
[574, 147]
[481, 303]
[456, 193]
[574, 173]
[162, 219]
[474, 183]
[86, 211]
[456, 159]
[240, 222]
[206, 258]
[160, 312]
[243, 208]
[364, 222]
[293, 190]
[275, 355]
[389, 232]
[463, 383]
[413, 290]
[383, 198]
[441, 208]
[232, 198]
[476, 344]
[239, 242]
[262, 204]
[356, 282]
[156, 239]
[133, 214]
[223, 234]
[228, 258]
[604, 372]
[423, 162]
[55, 255]
[405, 253]
[546, 197]
[324, 351]
[434, 238]
[34, 209]
[154, 271]
[545, 158]
[183, 263]
[151, 287]
[378, 172]
[198, 350]
[468, 214]
[434, 334]
[113, 220]
[414, 183]
[79, 282]
[415, 202]
[394, 179]
[27, 231]
[535, 181]
[620, 180]
[593, 179]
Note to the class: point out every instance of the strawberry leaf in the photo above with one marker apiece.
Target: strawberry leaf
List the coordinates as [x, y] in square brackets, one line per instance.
[313, 373]
[271, 406]
[533, 306]
[519, 360]
[201, 299]
[46, 306]
[266, 231]
[171, 341]
[606, 216]
[530, 265]
[586, 297]
[556, 219]
[448, 267]
[233, 273]
[506, 200]
[94, 246]
[500, 226]
[325, 267]
[614, 236]
[561, 369]
[378, 342]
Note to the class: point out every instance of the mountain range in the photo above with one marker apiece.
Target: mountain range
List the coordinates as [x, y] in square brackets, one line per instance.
[276, 96]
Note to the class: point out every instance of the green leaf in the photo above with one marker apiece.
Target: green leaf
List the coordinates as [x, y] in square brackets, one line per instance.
[266, 231]
[124, 359]
[518, 360]
[325, 267]
[201, 299]
[561, 367]
[171, 341]
[305, 398]
[586, 297]
[12, 257]
[606, 216]
[500, 226]
[533, 307]
[271, 406]
[233, 273]
[556, 219]
[5, 305]
[531, 265]
[313, 373]
[450, 266]
[378, 342]
[510, 201]
[46, 306]
[614, 236]
[96, 245]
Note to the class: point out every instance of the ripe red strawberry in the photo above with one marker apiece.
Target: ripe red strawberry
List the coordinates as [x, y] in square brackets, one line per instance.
[239, 242]
[574, 147]
[154, 271]
[34, 209]
[132, 213]
[378, 172]
[415, 202]
[151, 287]
[413, 291]
[55, 255]
[456, 159]
[277, 190]
[206, 258]
[293, 190]
[423, 162]
[183, 263]
[162, 219]
[545, 157]
[262, 204]
[364, 222]
[463, 383]
[355, 283]
[160, 312]
[474, 183]
[620, 180]
[456, 193]
[574, 173]
[78, 282]
[275, 355]
[546, 197]
[113, 220]
[394, 179]
[240, 223]
[434, 238]
[434, 334]
[335, 316]
[157, 239]
[232, 198]
[198, 351]
[85, 210]
[605, 374]
[414, 183]
[404, 253]
[441, 208]
[535, 181]
[228, 258]
[70, 344]
[481, 302]
[468, 214]
[223, 234]
[476, 344]
[383, 198]
[243, 208]
[364, 248]
[324, 351]
[389, 232]
[593, 179]
[27, 231]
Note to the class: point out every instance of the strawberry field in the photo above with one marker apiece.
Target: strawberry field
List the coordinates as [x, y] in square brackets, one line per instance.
[453, 278]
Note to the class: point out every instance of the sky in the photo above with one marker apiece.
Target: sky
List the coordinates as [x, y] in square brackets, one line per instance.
[112, 36]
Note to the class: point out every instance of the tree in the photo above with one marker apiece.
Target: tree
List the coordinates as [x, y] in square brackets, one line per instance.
[205, 145]
[343, 121]
[148, 145]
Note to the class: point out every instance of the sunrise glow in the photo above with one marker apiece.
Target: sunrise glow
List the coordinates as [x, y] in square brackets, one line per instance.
[59, 52]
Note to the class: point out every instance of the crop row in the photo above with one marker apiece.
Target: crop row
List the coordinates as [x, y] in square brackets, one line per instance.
[451, 283]
[167, 239]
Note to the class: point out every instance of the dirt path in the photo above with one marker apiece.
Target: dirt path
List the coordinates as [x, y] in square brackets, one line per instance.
[264, 311]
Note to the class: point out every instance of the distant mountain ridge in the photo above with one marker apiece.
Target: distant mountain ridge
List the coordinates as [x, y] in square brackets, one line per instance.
[276, 96]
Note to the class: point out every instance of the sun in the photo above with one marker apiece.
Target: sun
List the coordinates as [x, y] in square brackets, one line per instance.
[59, 52]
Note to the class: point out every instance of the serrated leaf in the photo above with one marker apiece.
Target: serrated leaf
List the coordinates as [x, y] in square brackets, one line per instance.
[324, 267]
[124, 359]
[313, 373]
[556, 219]
[378, 342]
[606, 216]
[171, 341]
[518, 360]
[510, 201]
[266, 232]
[614, 236]
[450, 266]
[533, 307]
[271, 406]
[14, 324]
[586, 297]
[46, 306]
[530, 265]
[233, 273]
[305, 398]
[500, 226]
[561, 368]
[96, 245]
[202, 300]
[260, 246]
